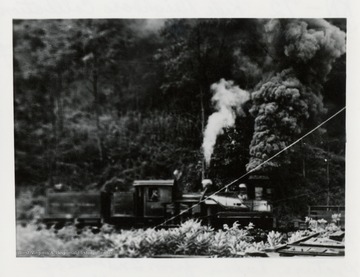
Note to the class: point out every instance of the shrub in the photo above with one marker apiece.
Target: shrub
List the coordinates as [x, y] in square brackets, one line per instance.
[191, 238]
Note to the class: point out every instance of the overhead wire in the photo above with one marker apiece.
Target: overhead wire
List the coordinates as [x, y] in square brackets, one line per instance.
[254, 169]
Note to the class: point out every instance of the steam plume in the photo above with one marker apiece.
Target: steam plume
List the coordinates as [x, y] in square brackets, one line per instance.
[227, 100]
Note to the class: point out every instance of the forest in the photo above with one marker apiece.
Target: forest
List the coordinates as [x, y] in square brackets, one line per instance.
[108, 101]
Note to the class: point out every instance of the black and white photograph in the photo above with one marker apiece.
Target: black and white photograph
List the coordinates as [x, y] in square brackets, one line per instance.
[179, 138]
[171, 138]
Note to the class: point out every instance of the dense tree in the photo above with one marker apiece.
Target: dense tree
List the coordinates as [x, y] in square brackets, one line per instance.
[102, 99]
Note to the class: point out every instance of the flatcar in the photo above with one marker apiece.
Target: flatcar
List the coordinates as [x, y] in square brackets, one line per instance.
[153, 202]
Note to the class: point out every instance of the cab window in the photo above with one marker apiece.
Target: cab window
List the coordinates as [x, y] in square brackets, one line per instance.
[153, 195]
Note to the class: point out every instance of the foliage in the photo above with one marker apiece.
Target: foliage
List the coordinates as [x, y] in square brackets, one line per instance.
[101, 99]
[322, 226]
[27, 209]
[295, 237]
[191, 238]
[274, 238]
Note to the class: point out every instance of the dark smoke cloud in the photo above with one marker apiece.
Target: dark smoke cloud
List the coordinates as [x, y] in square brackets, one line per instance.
[303, 52]
[310, 45]
[279, 107]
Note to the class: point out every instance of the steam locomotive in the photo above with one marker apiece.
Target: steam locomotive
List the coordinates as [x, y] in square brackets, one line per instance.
[150, 203]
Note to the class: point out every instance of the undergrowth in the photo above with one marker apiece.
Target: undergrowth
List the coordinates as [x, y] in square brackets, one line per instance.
[191, 238]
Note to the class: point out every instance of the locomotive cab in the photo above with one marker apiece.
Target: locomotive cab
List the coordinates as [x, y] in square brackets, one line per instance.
[143, 205]
[151, 196]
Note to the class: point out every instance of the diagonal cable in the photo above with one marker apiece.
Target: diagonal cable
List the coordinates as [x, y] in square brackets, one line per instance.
[254, 169]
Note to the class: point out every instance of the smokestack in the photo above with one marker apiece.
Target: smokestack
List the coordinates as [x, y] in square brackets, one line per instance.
[227, 100]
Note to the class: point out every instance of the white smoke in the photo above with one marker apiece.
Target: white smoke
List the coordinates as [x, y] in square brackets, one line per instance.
[227, 100]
